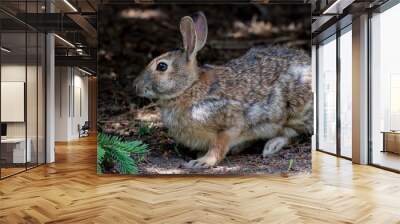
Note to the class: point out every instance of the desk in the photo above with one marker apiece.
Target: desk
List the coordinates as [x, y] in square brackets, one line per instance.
[391, 141]
[16, 148]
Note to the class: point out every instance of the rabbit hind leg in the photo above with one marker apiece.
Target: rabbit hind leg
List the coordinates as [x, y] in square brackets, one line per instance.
[275, 144]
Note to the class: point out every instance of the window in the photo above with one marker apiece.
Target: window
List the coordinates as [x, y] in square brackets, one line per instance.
[346, 92]
[385, 89]
[334, 106]
[327, 95]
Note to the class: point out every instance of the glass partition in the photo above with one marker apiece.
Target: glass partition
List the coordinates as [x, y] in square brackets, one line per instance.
[14, 153]
[41, 109]
[32, 96]
[32, 100]
[22, 78]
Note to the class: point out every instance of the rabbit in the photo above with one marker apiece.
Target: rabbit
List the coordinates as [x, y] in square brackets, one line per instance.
[265, 94]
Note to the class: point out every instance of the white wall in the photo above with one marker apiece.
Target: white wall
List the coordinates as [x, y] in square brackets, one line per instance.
[80, 110]
[17, 73]
[14, 72]
[62, 81]
[71, 102]
[13, 101]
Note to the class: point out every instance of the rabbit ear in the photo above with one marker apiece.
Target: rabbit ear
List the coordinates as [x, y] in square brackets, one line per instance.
[200, 24]
[188, 32]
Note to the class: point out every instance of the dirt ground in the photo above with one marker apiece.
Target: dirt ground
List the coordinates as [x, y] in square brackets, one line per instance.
[248, 162]
[165, 156]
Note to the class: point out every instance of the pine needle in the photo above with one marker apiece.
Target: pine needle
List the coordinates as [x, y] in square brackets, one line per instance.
[114, 150]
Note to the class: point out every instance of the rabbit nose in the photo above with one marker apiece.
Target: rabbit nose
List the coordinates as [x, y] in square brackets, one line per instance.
[140, 89]
[136, 85]
[137, 89]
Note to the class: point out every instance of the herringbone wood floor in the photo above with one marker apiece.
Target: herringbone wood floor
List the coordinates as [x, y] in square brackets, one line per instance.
[69, 191]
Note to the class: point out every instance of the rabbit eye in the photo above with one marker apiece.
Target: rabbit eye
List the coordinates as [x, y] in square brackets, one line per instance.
[162, 66]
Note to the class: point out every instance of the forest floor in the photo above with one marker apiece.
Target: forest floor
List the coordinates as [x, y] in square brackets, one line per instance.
[165, 156]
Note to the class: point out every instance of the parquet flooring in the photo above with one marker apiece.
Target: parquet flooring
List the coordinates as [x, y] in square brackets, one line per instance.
[10, 171]
[69, 191]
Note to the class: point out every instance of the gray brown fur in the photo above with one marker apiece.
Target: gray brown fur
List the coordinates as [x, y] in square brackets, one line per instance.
[265, 94]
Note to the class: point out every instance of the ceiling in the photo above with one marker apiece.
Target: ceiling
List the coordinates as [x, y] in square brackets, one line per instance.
[74, 22]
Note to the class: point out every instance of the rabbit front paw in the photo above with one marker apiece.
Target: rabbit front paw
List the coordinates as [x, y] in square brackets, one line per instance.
[201, 163]
[274, 145]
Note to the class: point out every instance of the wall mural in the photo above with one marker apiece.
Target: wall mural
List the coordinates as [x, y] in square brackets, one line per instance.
[204, 89]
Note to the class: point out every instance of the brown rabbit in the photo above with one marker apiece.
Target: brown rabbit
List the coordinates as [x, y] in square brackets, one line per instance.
[265, 94]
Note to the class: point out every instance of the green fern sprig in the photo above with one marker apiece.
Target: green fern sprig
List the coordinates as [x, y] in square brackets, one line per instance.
[114, 151]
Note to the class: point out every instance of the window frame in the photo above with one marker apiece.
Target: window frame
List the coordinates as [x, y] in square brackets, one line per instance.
[339, 32]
